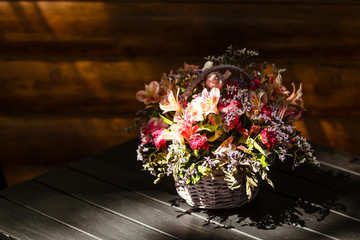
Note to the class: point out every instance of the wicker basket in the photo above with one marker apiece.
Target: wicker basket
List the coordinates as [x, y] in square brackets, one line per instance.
[213, 193]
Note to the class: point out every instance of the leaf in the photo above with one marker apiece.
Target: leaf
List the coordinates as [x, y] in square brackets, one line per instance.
[250, 143]
[166, 120]
[251, 181]
[248, 190]
[258, 147]
[263, 161]
[208, 127]
[159, 176]
[215, 136]
[197, 178]
[202, 169]
[217, 120]
[263, 80]
[242, 139]
[270, 182]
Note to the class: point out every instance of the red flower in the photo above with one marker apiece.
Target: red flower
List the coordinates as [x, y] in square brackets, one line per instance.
[268, 138]
[255, 84]
[229, 109]
[198, 142]
[266, 109]
[160, 142]
[255, 129]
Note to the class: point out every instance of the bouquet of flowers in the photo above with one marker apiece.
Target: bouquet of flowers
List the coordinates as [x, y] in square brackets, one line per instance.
[223, 117]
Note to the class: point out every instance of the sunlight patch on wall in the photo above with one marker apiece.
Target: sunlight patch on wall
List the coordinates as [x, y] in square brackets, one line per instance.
[334, 132]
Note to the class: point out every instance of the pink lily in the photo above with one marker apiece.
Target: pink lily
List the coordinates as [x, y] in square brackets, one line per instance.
[170, 102]
[150, 94]
[186, 124]
[159, 141]
[207, 102]
[153, 125]
[173, 134]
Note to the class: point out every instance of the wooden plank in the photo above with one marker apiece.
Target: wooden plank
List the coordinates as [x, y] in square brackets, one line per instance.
[120, 25]
[330, 177]
[342, 179]
[319, 196]
[90, 219]
[334, 157]
[99, 86]
[56, 140]
[132, 205]
[21, 223]
[77, 86]
[252, 220]
[18, 172]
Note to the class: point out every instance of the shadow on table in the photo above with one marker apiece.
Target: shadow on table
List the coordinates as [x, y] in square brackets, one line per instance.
[292, 202]
[267, 212]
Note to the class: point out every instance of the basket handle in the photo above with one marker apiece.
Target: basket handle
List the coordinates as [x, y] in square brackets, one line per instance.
[198, 79]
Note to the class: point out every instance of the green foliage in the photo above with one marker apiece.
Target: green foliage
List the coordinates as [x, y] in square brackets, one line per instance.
[154, 162]
[195, 168]
[166, 120]
[208, 127]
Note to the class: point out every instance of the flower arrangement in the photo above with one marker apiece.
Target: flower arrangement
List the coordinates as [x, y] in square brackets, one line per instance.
[220, 118]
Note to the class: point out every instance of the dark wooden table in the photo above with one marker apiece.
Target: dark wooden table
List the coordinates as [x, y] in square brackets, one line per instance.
[106, 196]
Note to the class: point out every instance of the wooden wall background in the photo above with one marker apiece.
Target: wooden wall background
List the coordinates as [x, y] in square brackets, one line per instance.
[69, 69]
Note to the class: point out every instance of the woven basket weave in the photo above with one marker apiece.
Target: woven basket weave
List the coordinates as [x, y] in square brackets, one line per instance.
[213, 193]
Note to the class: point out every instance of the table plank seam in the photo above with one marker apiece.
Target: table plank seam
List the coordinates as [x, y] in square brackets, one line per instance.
[197, 215]
[317, 232]
[339, 168]
[107, 209]
[119, 161]
[4, 236]
[50, 217]
[131, 164]
[308, 203]
[317, 183]
[202, 217]
[163, 203]
[221, 225]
